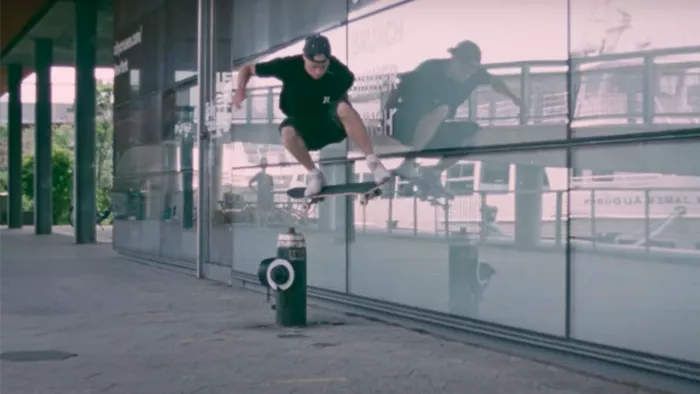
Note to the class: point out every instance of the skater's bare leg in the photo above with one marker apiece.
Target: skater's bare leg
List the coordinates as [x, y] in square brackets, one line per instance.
[355, 127]
[428, 126]
[357, 132]
[425, 131]
[295, 145]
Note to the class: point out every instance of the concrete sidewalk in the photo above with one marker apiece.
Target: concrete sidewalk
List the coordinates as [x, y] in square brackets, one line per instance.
[131, 328]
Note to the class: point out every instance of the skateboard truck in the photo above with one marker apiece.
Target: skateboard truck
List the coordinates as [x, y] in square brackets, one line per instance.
[364, 199]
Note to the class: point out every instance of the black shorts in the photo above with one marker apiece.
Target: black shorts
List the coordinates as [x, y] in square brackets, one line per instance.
[450, 134]
[317, 131]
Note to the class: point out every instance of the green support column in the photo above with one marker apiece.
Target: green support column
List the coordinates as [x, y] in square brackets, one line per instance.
[187, 171]
[43, 211]
[84, 173]
[14, 151]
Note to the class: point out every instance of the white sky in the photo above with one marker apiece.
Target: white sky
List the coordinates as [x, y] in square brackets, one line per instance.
[62, 87]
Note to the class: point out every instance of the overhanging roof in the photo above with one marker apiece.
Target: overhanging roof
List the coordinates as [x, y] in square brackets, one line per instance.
[23, 21]
[14, 18]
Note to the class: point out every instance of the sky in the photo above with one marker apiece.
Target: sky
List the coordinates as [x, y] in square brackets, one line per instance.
[62, 87]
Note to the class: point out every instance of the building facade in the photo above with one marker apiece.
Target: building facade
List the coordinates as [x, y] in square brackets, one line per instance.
[580, 211]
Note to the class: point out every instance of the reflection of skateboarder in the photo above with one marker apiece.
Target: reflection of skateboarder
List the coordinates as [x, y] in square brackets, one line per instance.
[314, 98]
[429, 95]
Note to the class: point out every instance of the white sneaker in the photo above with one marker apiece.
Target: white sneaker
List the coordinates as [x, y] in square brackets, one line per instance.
[314, 183]
[380, 173]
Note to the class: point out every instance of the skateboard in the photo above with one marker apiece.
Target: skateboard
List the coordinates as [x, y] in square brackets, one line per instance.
[366, 191]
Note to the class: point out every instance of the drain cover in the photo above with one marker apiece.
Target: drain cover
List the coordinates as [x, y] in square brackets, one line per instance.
[36, 355]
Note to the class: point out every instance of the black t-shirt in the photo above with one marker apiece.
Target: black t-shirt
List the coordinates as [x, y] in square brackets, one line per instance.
[428, 86]
[301, 94]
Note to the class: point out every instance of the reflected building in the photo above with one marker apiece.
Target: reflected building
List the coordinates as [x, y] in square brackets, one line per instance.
[575, 219]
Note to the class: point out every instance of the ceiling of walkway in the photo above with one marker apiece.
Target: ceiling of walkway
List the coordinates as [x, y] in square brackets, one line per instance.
[23, 21]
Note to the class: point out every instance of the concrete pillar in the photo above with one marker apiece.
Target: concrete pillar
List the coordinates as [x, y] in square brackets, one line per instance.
[14, 149]
[43, 184]
[332, 212]
[529, 181]
[85, 90]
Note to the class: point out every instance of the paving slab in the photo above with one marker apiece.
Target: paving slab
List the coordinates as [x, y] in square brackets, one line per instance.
[124, 327]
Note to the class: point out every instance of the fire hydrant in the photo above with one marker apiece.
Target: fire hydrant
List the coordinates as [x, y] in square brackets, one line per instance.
[286, 275]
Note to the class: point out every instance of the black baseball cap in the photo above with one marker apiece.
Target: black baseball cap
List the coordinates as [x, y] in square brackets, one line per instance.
[317, 45]
[466, 52]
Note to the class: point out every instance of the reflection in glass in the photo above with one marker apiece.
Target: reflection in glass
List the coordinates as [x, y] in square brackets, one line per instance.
[636, 248]
[422, 86]
[637, 66]
[181, 40]
[495, 252]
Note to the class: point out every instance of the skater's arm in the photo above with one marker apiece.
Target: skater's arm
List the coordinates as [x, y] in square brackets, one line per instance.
[244, 75]
[276, 68]
[499, 86]
[345, 77]
[410, 82]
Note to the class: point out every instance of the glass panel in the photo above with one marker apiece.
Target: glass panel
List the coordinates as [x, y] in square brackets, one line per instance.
[420, 85]
[635, 225]
[637, 66]
[181, 40]
[139, 58]
[263, 24]
[137, 201]
[260, 210]
[178, 231]
[220, 242]
[496, 252]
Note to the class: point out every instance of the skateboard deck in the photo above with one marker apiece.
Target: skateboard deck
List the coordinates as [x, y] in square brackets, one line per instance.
[367, 190]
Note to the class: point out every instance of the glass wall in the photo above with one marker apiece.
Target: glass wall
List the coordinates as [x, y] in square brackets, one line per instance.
[635, 247]
[636, 66]
[155, 160]
[558, 193]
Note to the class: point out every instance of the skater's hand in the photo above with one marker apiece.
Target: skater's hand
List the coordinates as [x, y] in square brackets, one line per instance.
[238, 98]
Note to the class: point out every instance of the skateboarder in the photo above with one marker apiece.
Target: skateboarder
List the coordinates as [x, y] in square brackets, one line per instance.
[429, 95]
[314, 99]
